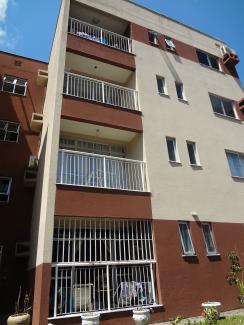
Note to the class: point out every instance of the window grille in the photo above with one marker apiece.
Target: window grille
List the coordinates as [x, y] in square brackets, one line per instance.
[93, 147]
[101, 264]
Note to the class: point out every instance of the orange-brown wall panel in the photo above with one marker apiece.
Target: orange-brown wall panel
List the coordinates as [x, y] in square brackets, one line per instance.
[95, 113]
[83, 202]
[100, 52]
[183, 50]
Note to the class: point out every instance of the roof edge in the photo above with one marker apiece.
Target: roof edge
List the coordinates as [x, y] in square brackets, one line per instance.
[23, 57]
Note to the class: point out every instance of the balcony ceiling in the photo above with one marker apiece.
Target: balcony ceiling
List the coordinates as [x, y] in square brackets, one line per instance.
[98, 18]
[97, 69]
[80, 128]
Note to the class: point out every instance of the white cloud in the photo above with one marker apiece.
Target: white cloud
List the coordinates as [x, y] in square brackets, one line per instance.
[8, 36]
[3, 9]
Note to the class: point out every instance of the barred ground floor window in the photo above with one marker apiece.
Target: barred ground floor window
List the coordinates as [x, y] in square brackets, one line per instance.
[101, 264]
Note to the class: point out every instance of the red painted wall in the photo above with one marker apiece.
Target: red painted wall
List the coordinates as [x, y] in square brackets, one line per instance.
[95, 113]
[16, 215]
[100, 52]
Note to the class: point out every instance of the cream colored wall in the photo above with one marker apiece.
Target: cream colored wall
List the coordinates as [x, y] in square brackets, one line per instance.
[179, 190]
[43, 210]
[161, 24]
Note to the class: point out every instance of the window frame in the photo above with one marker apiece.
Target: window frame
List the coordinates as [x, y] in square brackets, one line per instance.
[182, 90]
[184, 252]
[14, 83]
[212, 239]
[165, 93]
[208, 55]
[175, 147]
[6, 131]
[7, 193]
[169, 43]
[238, 154]
[155, 37]
[222, 99]
[196, 155]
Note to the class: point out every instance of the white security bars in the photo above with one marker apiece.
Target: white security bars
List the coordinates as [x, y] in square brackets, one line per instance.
[86, 169]
[101, 264]
[99, 35]
[100, 91]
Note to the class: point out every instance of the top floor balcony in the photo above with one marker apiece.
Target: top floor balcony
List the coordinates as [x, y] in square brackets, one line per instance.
[99, 35]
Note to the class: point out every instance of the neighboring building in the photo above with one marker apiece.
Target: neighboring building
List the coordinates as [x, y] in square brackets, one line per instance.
[20, 97]
[139, 191]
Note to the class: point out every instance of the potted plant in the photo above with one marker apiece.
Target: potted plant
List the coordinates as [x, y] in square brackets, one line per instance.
[90, 318]
[21, 315]
[211, 315]
[141, 315]
[236, 273]
[176, 320]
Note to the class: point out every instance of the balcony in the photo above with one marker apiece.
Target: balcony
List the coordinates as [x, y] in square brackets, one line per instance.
[99, 35]
[100, 171]
[99, 91]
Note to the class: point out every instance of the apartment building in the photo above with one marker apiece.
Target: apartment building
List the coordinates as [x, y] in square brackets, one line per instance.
[20, 99]
[139, 145]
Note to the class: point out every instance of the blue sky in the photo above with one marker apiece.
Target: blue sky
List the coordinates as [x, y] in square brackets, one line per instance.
[27, 26]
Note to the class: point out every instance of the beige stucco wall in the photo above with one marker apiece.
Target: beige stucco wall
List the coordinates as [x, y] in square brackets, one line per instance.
[43, 211]
[178, 190]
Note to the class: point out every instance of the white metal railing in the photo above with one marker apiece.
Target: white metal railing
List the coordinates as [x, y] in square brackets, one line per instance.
[100, 91]
[99, 35]
[86, 169]
[101, 264]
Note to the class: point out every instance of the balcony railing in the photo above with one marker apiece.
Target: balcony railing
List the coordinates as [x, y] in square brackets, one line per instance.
[99, 35]
[100, 91]
[92, 170]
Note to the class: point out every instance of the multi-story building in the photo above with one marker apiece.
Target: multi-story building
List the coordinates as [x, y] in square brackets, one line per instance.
[139, 190]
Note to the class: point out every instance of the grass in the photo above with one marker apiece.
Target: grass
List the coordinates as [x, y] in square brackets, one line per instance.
[233, 320]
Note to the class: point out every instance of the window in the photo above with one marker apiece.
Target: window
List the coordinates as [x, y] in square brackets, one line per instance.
[208, 59]
[193, 154]
[22, 249]
[153, 37]
[162, 90]
[9, 131]
[180, 91]
[93, 147]
[1, 254]
[208, 238]
[14, 85]
[5, 184]
[169, 43]
[222, 106]
[172, 150]
[185, 237]
[101, 264]
[236, 163]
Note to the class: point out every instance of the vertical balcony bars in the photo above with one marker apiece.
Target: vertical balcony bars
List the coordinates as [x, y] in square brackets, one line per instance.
[99, 35]
[101, 264]
[100, 91]
[92, 170]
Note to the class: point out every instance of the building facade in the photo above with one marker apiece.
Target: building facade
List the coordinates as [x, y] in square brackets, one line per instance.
[137, 126]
